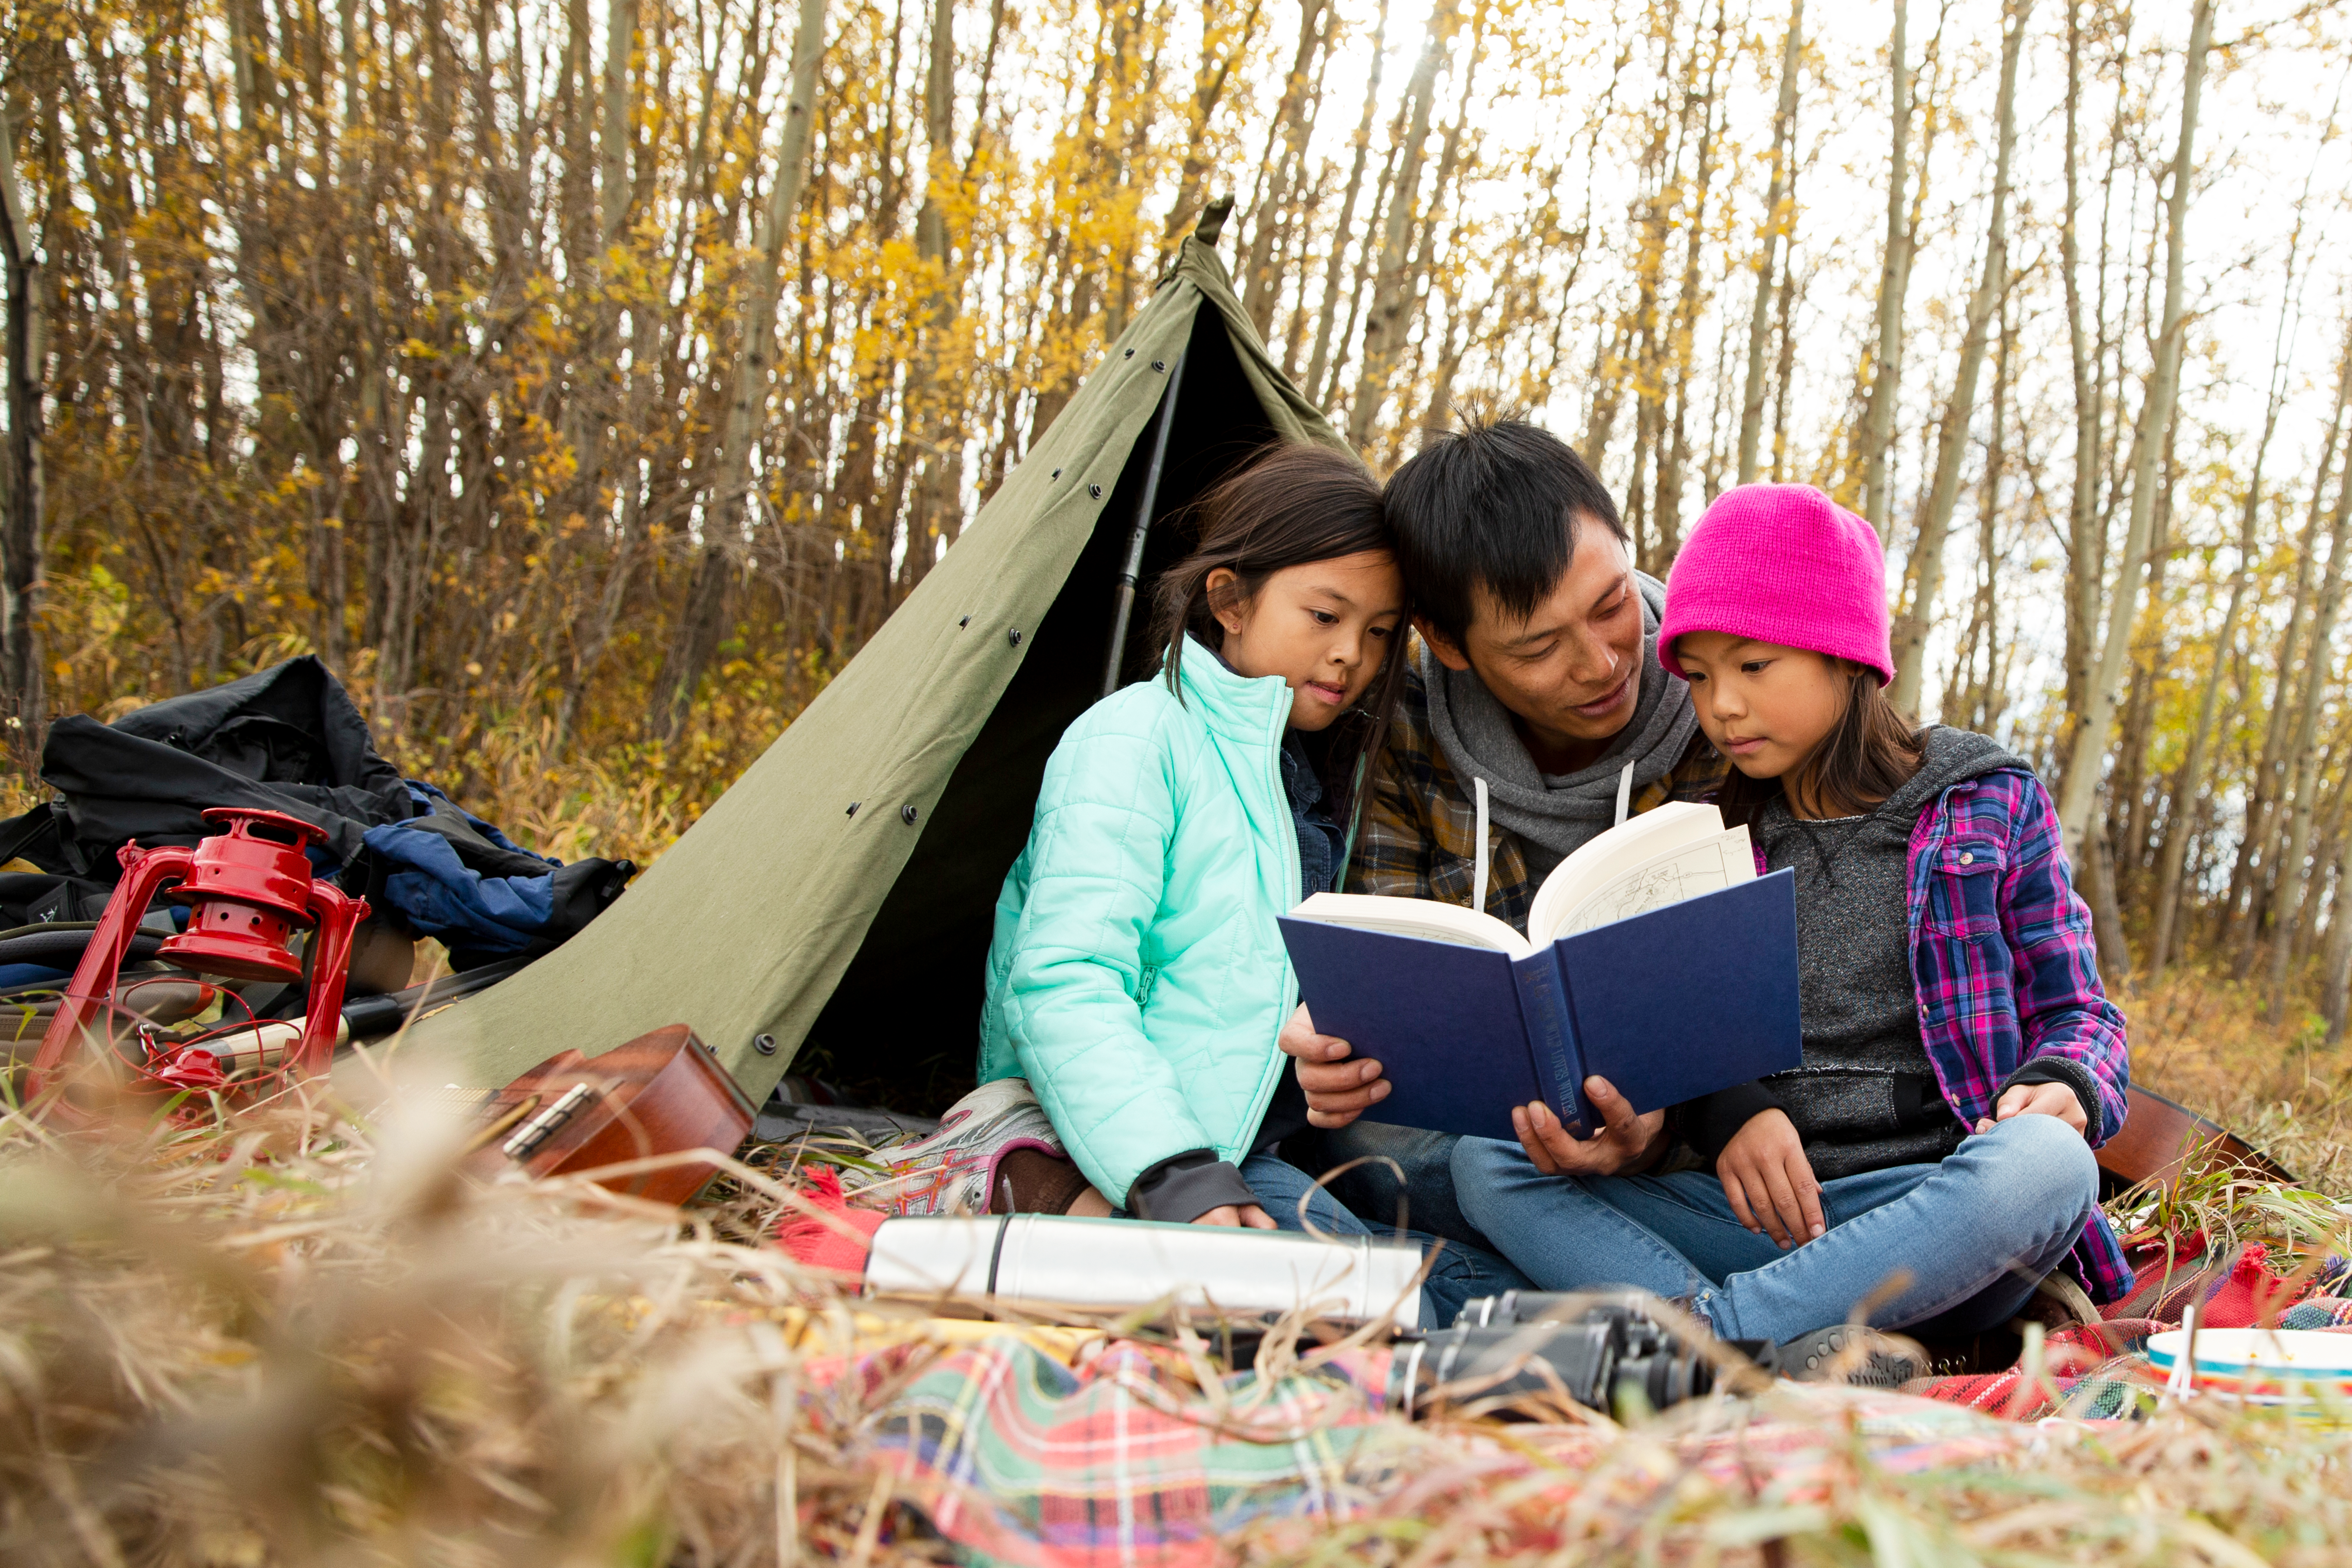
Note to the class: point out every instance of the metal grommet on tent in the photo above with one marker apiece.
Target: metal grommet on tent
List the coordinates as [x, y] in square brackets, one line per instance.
[764, 1043]
[853, 807]
[1128, 355]
[906, 813]
[1012, 636]
[1159, 365]
[963, 623]
[1095, 490]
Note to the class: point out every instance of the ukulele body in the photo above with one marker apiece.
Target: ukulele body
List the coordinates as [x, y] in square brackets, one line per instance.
[2162, 1140]
[657, 1094]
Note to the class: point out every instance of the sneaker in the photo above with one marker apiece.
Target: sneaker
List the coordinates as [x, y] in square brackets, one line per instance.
[954, 1170]
[1852, 1355]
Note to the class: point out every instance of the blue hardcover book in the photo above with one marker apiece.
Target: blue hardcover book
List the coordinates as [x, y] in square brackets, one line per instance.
[1694, 992]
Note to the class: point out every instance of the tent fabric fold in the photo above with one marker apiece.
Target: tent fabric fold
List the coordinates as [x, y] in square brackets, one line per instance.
[841, 888]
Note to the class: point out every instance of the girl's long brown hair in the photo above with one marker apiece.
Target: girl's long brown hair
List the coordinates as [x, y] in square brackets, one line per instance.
[1869, 754]
[1290, 505]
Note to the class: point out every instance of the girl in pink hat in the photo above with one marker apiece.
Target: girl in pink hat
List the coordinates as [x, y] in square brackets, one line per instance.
[1930, 1163]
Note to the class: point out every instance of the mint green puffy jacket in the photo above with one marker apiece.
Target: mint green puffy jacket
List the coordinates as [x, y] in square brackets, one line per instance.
[1138, 979]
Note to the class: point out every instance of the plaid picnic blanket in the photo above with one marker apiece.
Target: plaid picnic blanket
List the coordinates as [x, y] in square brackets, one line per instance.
[1127, 1459]
[1132, 1458]
[2100, 1370]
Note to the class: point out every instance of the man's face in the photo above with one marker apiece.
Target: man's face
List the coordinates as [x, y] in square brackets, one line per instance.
[1571, 671]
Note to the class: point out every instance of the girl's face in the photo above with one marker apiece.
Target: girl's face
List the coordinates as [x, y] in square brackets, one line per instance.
[1765, 706]
[1325, 627]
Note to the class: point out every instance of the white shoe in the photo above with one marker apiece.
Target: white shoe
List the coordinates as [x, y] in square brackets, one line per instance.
[954, 1169]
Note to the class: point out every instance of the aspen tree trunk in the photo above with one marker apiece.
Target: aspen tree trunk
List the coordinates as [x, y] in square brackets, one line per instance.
[1751, 409]
[2257, 846]
[1926, 572]
[2336, 989]
[1784, 374]
[935, 448]
[1391, 317]
[613, 183]
[2079, 789]
[1449, 160]
[1285, 147]
[2293, 880]
[1674, 455]
[2084, 563]
[21, 705]
[1335, 269]
[1221, 48]
[700, 627]
[1893, 282]
[1600, 419]
[2192, 777]
[2127, 797]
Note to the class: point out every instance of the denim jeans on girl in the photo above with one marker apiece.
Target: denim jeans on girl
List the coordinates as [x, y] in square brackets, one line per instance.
[1459, 1274]
[1974, 1234]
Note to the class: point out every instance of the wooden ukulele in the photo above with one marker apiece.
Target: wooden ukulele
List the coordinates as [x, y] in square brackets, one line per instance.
[2162, 1140]
[658, 1094]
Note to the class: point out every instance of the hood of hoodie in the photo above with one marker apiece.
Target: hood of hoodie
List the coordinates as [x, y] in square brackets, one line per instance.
[1953, 757]
[1555, 815]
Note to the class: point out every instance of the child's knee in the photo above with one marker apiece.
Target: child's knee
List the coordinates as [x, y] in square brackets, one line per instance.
[2054, 1157]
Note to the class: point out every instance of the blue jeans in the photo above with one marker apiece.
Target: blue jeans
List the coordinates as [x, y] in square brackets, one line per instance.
[1975, 1233]
[1459, 1273]
[1390, 1175]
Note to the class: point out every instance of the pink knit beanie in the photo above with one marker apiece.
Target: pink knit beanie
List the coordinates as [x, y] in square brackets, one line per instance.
[1781, 563]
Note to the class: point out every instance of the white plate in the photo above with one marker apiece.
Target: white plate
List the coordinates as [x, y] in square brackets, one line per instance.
[2295, 1353]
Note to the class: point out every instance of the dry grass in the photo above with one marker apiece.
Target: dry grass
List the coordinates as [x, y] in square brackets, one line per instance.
[2205, 1041]
[288, 1336]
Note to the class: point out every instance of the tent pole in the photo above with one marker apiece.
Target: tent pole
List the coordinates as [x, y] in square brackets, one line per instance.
[1131, 573]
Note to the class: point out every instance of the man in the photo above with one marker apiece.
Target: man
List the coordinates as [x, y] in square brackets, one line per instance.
[1536, 670]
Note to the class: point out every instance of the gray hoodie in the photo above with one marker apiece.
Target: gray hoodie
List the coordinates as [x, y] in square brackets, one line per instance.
[1554, 815]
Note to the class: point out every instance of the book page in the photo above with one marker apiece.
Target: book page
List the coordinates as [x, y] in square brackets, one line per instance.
[1601, 861]
[1421, 917]
[1723, 861]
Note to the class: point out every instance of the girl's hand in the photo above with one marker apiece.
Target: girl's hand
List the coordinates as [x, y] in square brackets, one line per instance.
[1338, 1087]
[2038, 1099]
[1769, 1182]
[1248, 1216]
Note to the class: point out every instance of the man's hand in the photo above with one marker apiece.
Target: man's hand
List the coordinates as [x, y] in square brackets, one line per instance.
[1248, 1216]
[1625, 1140]
[2056, 1100]
[1338, 1088]
[1769, 1181]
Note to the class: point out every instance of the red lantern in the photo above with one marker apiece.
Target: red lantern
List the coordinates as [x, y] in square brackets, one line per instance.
[250, 892]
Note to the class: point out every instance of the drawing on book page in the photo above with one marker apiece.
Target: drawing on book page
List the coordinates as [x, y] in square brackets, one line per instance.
[1683, 874]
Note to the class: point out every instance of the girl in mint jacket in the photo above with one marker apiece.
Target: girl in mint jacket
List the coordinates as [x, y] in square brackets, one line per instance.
[1138, 978]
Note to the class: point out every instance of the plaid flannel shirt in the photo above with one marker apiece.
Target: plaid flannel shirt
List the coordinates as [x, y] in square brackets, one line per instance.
[1418, 838]
[2007, 970]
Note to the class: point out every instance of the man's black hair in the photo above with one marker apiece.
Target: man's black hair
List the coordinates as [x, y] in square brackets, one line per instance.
[1494, 505]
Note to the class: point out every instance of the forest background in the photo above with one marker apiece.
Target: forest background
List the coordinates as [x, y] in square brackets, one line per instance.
[586, 380]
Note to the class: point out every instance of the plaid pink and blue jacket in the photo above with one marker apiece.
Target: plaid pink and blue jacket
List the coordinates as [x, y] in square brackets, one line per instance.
[2006, 969]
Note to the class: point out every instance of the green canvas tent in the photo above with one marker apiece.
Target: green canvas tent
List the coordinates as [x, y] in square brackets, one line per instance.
[840, 893]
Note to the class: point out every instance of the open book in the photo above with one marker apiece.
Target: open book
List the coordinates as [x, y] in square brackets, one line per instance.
[1662, 857]
[1655, 957]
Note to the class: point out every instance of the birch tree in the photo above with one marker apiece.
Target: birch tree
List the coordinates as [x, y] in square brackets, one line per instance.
[21, 706]
[1776, 224]
[1923, 571]
[2079, 789]
[728, 497]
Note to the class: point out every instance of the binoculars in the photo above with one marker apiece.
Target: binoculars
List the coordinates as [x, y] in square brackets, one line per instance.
[1603, 1352]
